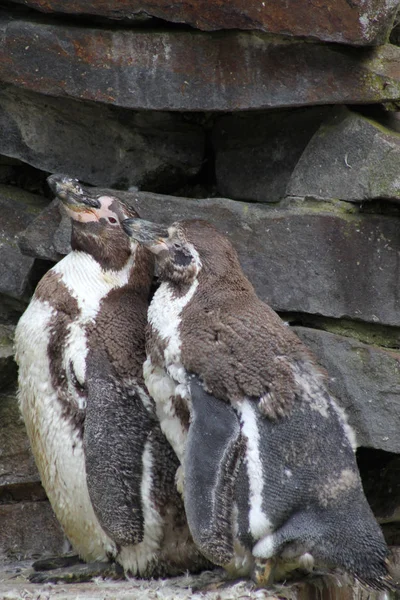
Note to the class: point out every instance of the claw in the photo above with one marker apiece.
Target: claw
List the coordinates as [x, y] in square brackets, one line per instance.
[264, 573]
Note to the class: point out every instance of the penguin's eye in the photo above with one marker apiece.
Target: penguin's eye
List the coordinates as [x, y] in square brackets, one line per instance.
[177, 246]
[182, 259]
[112, 220]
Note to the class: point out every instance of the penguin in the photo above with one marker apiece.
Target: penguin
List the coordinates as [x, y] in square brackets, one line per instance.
[268, 470]
[108, 471]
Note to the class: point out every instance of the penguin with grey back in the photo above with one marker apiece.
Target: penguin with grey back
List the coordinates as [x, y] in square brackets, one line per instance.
[107, 469]
[268, 469]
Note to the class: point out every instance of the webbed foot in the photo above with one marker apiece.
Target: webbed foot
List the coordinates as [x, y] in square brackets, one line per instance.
[80, 572]
[56, 562]
[263, 573]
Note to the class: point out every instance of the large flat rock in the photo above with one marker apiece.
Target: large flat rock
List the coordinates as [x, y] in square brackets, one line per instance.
[339, 21]
[351, 158]
[317, 258]
[102, 145]
[192, 71]
[366, 381]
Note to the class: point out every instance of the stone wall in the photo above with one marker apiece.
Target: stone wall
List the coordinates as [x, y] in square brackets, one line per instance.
[278, 124]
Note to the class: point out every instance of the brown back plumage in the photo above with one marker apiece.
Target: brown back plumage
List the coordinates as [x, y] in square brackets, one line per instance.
[243, 338]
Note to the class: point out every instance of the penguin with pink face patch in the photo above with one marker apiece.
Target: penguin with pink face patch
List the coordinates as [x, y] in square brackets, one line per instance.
[107, 469]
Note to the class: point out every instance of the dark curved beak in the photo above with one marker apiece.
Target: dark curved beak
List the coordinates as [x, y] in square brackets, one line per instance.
[71, 192]
[146, 233]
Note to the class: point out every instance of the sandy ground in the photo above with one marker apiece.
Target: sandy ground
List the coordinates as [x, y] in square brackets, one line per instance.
[14, 585]
[210, 585]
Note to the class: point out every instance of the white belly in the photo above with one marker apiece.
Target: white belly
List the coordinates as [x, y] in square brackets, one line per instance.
[55, 443]
[166, 382]
[163, 389]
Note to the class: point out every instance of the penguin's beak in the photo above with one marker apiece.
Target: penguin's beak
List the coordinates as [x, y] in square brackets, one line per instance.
[71, 193]
[151, 235]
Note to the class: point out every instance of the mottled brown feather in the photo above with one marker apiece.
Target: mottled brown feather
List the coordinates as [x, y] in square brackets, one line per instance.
[127, 304]
[52, 290]
[236, 343]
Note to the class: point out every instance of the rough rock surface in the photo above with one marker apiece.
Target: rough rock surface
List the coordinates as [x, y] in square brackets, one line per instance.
[191, 71]
[255, 154]
[8, 368]
[366, 381]
[382, 488]
[28, 525]
[341, 21]
[99, 144]
[31, 531]
[48, 236]
[316, 258]
[17, 209]
[17, 465]
[351, 158]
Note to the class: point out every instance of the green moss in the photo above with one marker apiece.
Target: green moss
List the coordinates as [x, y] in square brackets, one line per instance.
[6, 335]
[382, 128]
[5, 342]
[367, 333]
[29, 203]
[378, 87]
[334, 207]
[377, 335]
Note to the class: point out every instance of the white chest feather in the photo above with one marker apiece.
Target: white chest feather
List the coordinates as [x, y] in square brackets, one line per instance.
[165, 383]
[259, 523]
[165, 318]
[88, 284]
[55, 443]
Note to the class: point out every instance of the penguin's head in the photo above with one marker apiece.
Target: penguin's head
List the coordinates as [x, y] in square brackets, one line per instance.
[96, 221]
[187, 250]
[177, 259]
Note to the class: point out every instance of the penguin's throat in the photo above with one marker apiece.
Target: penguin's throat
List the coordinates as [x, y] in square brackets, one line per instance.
[87, 281]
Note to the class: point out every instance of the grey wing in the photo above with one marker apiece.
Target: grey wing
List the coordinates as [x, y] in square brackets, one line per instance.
[214, 452]
[117, 426]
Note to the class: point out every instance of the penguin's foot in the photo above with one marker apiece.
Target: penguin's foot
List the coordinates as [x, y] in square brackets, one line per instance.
[270, 571]
[224, 584]
[56, 562]
[263, 574]
[80, 572]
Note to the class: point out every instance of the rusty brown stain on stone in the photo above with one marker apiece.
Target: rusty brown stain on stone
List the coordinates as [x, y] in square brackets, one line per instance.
[341, 21]
[193, 71]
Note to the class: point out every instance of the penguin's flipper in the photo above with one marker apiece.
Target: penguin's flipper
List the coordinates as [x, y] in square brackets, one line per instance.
[116, 429]
[214, 452]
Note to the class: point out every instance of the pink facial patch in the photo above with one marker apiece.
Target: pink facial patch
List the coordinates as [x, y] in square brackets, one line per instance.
[81, 215]
[104, 211]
